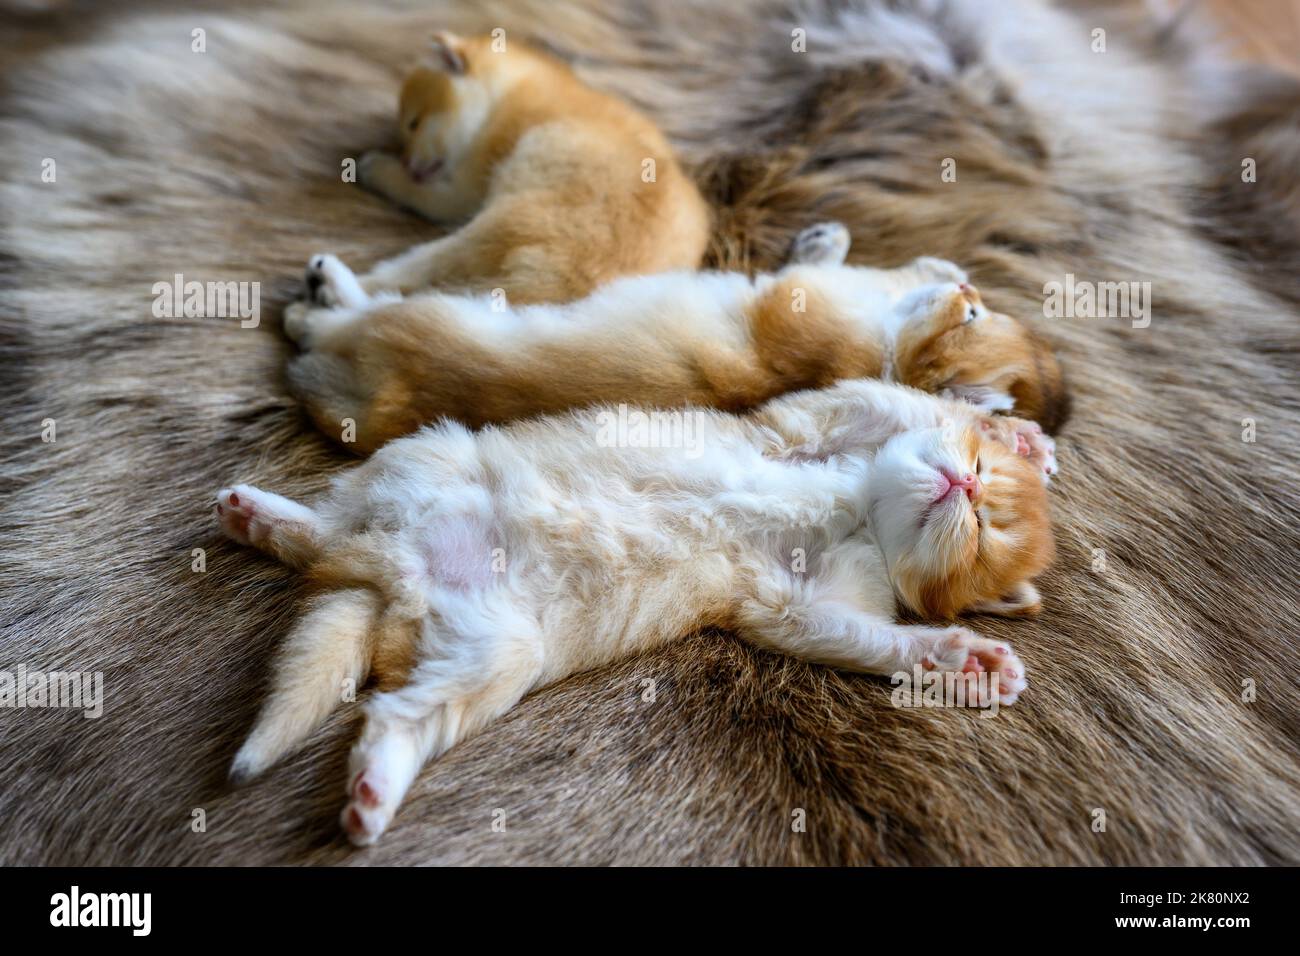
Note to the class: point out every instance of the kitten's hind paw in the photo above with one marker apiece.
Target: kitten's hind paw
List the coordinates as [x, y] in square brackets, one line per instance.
[260, 518]
[825, 244]
[236, 513]
[368, 812]
[331, 283]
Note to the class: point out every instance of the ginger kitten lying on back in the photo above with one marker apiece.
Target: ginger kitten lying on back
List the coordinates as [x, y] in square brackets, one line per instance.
[551, 174]
[463, 570]
[375, 368]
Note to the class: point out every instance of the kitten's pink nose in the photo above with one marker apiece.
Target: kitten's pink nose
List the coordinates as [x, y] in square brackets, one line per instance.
[968, 483]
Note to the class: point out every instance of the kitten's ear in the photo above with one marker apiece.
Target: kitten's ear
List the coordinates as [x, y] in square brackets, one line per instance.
[1023, 600]
[983, 397]
[446, 53]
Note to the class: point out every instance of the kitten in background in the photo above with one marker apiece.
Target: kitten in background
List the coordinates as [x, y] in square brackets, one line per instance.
[563, 187]
[715, 339]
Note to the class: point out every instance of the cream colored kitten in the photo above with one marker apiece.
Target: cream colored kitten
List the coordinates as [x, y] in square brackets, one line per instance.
[373, 369]
[462, 570]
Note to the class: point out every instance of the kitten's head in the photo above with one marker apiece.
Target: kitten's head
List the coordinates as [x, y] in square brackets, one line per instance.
[446, 99]
[951, 342]
[962, 521]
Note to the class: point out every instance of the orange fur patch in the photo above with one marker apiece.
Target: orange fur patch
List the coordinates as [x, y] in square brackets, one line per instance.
[579, 207]
[995, 351]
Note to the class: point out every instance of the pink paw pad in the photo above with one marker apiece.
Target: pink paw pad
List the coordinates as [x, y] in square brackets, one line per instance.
[967, 653]
[366, 790]
[352, 822]
[234, 513]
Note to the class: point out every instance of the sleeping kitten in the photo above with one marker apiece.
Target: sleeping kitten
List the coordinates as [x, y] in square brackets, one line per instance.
[714, 339]
[564, 187]
[463, 570]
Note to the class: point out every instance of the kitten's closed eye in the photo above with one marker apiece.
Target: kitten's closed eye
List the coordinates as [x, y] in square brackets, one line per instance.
[978, 523]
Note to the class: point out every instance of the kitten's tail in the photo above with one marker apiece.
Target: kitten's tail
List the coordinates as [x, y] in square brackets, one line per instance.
[325, 658]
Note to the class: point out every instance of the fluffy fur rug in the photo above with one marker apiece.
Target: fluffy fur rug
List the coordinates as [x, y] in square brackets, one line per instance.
[1178, 540]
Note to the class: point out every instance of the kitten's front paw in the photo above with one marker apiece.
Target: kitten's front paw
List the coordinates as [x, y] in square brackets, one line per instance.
[366, 165]
[963, 651]
[938, 270]
[1027, 439]
[826, 243]
[376, 169]
[984, 397]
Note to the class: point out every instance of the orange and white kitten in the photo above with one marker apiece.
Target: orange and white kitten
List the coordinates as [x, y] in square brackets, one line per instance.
[375, 368]
[564, 187]
[463, 570]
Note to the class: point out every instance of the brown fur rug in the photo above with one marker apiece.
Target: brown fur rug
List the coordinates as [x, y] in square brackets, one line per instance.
[1178, 541]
